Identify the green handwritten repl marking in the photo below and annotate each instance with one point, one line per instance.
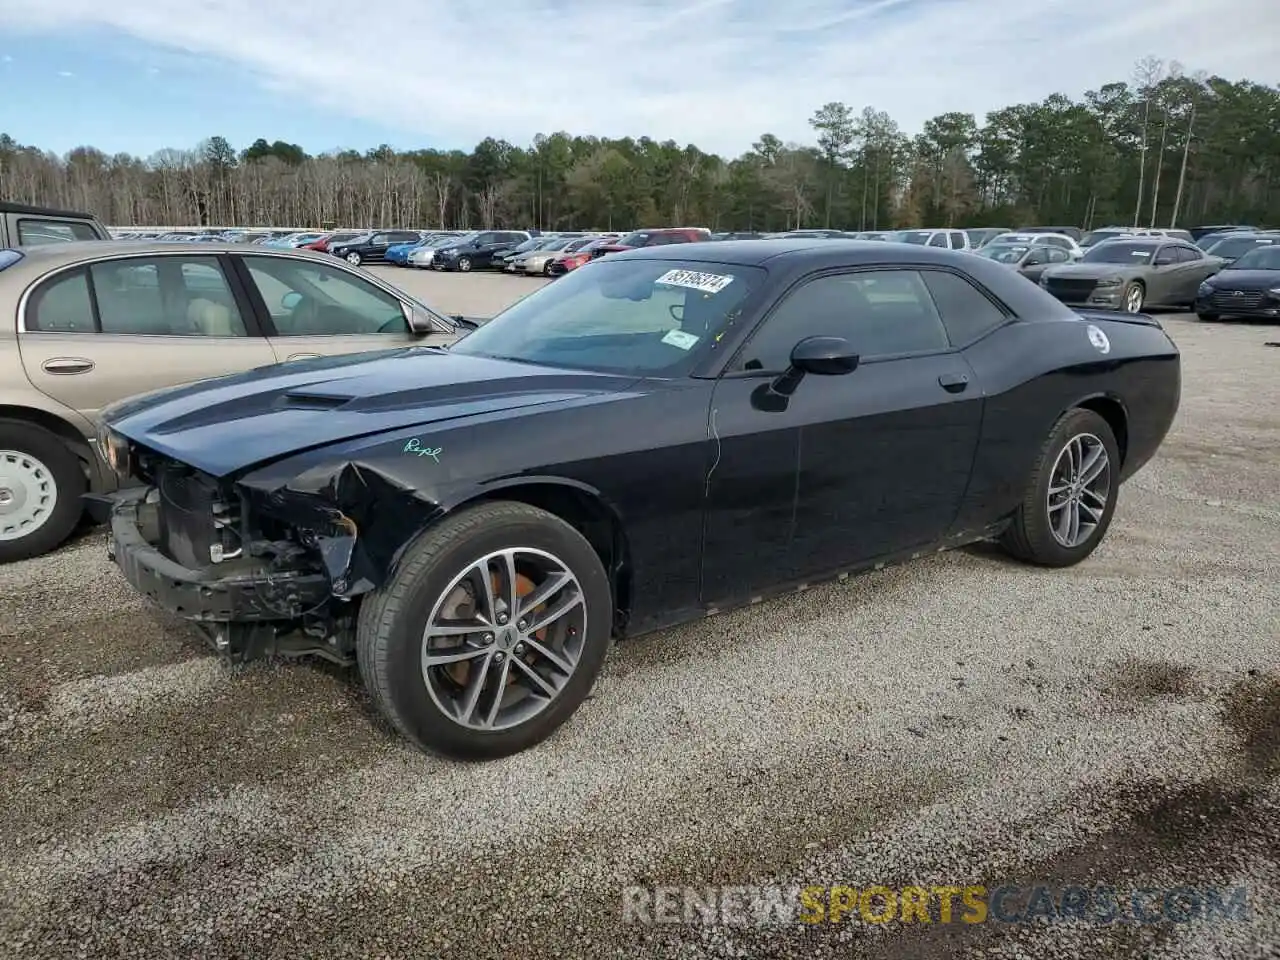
(415, 446)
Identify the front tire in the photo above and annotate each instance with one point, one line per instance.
(1135, 295)
(490, 633)
(1071, 494)
(354, 258)
(41, 483)
(464, 264)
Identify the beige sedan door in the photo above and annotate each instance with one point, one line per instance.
(321, 310)
(93, 335)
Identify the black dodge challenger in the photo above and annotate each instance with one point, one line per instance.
(661, 435)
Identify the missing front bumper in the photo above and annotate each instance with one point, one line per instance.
(240, 592)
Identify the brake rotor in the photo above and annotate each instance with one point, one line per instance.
(460, 607)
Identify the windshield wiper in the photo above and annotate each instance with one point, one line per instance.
(460, 321)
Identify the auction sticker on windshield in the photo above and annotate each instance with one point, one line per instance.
(706, 282)
(678, 338)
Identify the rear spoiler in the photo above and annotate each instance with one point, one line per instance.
(1118, 316)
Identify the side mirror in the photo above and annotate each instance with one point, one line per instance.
(421, 323)
(290, 300)
(1034, 260)
(1163, 261)
(824, 356)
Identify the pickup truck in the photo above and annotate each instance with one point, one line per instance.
(26, 226)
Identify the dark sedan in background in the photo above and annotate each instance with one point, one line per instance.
(1249, 287)
(1132, 274)
(1234, 246)
(478, 249)
(372, 248)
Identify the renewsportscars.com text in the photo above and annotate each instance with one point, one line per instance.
(961, 904)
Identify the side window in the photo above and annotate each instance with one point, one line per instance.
(1057, 255)
(1188, 255)
(62, 306)
(937, 240)
(165, 297)
(33, 233)
(966, 312)
(314, 300)
(957, 240)
(882, 313)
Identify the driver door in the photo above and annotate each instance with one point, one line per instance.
(316, 310)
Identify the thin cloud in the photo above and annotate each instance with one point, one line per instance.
(65, 73)
(6, 59)
(717, 73)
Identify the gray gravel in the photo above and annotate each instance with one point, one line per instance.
(962, 720)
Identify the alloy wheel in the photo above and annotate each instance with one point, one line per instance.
(1079, 488)
(504, 639)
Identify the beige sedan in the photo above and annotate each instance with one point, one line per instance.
(96, 322)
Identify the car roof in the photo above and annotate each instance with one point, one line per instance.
(7, 206)
(43, 258)
(762, 252)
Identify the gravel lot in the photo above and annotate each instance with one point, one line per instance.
(961, 720)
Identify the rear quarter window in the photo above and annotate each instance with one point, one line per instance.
(8, 258)
(32, 232)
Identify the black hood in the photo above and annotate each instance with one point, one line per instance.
(227, 425)
(1228, 279)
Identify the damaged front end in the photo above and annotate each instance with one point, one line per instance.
(260, 572)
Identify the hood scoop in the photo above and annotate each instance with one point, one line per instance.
(301, 400)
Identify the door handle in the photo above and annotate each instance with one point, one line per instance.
(954, 382)
(65, 365)
(304, 356)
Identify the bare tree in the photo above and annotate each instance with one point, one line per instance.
(1147, 73)
(1197, 88)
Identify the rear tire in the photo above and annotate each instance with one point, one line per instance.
(41, 483)
(391, 632)
(1039, 533)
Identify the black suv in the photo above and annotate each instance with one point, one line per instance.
(24, 226)
(478, 249)
(373, 247)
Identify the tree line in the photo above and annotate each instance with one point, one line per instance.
(1162, 148)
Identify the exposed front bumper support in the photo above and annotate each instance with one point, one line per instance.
(234, 592)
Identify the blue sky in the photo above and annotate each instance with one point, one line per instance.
(140, 75)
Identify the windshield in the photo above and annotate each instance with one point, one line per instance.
(1262, 258)
(920, 237)
(637, 239)
(640, 317)
(465, 238)
(1121, 251)
(558, 243)
(599, 242)
(1234, 247)
(577, 243)
(1003, 252)
(533, 243)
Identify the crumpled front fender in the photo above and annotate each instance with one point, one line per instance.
(357, 516)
